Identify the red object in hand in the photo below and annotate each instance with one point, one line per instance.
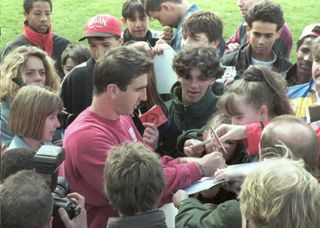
(154, 115)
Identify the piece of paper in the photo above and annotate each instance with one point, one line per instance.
(165, 75)
(154, 115)
(203, 184)
(170, 211)
(206, 183)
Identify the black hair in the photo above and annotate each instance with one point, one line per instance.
(28, 4)
(131, 7)
(266, 11)
(119, 66)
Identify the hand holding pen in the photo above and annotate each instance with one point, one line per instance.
(196, 148)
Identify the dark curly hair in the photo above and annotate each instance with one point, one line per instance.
(204, 58)
(204, 22)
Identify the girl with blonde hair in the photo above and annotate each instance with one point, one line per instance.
(25, 65)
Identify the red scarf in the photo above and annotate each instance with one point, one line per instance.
(38, 39)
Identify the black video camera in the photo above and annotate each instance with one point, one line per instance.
(46, 162)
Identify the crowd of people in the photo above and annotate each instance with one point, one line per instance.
(230, 104)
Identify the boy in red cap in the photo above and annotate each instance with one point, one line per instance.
(102, 32)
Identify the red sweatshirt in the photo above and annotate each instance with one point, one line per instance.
(87, 142)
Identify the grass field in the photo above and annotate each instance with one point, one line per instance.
(69, 16)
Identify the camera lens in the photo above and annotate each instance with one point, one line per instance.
(62, 188)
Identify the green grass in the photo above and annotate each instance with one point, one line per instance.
(69, 16)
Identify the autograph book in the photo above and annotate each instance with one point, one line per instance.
(154, 115)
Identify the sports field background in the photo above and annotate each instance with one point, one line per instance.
(69, 16)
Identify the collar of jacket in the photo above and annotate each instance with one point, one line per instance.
(243, 60)
(246, 49)
(197, 109)
(90, 63)
(153, 218)
(291, 76)
(127, 37)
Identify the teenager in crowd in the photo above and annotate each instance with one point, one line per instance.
(33, 117)
(265, 20)
(74, 55)
(37, 31)
(134, 190)
(257, 97)
(103, 33)
(304, 95)
(300, 72)
(170, 13)
(203, 28)
(23, 66)
(193, 100)
(241, 36)
(136, 21)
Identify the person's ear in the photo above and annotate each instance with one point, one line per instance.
(112, 90)
(278, 33)
(215, 43)
(165, 6)
(124, 21)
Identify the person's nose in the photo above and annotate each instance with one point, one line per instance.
(99, 51)
(138, 23)
(194, 83)
(38, 77)
(44, 17)
(57, 122)
(262, 40)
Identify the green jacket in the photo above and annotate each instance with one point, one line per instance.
(192, 213)
(184, 117)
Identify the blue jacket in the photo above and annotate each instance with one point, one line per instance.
(301, 96)
(177, 37)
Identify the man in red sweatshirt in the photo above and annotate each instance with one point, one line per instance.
(120, 81)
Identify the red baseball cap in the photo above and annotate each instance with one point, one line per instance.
(102, 25)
